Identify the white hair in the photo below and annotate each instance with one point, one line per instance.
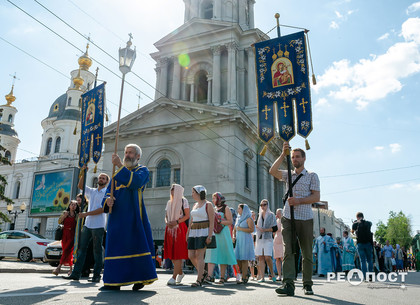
(136, 147)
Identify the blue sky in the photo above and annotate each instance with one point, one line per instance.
(366, 56)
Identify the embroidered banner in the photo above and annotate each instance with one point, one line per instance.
(282, 79)
(92, 124)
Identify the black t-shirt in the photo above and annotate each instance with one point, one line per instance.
(363, 232)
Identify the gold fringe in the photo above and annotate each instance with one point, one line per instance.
(96, 167)
(106, 117)
(75, 130)
(307, 144)
(313, 79)
(263, 151)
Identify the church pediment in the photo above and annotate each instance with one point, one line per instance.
(164, 114)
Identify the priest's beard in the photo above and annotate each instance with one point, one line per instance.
(128, 162)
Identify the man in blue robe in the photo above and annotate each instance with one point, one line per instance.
(348, 252)
(129, 253)
(322, 250)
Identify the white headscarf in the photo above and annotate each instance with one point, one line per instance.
(268, 214)
(174, 206)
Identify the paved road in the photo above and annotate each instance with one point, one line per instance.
(44, 288)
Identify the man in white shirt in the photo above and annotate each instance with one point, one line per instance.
(94, 229)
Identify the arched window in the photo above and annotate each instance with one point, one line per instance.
(69, 101)
(17, 190)
(10, 120)
(49, 144)
(95, 182)
(163, 173)
(57, 145)
(207, 9)
(1, 114)
(202, 86)
(246, 174)
(8, 155)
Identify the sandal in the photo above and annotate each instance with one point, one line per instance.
(56, 271)
(221, 281)
(209, 279)
(196, 284)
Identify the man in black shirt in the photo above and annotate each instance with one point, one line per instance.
(364, 241)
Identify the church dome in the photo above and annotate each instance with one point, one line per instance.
(58, 110)
(8, 130)
(10, 98)
(85, 61)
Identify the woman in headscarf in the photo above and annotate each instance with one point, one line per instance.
(266, 225)
(200, 232)
(223, 255)
(175, 244)
(242, 234)
(278, 245)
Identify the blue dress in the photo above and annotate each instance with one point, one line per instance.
(244, 250)
(223, 254)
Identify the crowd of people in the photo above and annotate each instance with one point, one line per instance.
(219, 241)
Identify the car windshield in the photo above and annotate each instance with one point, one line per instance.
(39, 236)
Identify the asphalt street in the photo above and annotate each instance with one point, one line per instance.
(33, 283)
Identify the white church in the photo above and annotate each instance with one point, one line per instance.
(200, 129)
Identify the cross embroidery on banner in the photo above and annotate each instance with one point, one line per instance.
(266, 110)
(98, 137)
(284, 109)
(303, 105)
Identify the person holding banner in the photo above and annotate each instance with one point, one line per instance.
(305, 192)
(129, 253)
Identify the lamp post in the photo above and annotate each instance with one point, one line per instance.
(15, 213)
(127, 57)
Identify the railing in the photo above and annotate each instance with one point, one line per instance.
(158, 233)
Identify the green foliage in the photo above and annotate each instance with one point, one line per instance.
(3, 183)
(380, 233)
(398, 229)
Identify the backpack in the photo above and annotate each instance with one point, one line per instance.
(363, 233)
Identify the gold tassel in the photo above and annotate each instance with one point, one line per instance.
(96, 167)
(307, 144)
(264, 150)
(313, 79)
(75, 130)
(106, 117)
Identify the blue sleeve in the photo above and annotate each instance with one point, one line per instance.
(134, 179)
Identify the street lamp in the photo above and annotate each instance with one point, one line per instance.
(15, 213)
(127, 57)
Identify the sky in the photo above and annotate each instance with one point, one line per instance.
(366, 58)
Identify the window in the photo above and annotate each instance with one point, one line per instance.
(10, 120)
(49, 144)
(207, 9)
(8, 155)
(163, 173)
(95, 182)
(150, 183)
(57, 145)
(17, 190)
(246, 175)
(1, 114)
(69, 101)
(177, 175)
(202, 86)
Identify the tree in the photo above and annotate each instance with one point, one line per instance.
(3, 183)
(398, 229)
(380, 233)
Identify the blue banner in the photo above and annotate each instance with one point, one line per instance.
(283, 79)
(92, 124)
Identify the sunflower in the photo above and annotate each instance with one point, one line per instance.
(60, 193)
(66, 200)
(56, 202)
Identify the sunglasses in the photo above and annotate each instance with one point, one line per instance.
(264, 204)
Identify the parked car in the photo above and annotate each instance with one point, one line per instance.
(23, 245)
(53, 253)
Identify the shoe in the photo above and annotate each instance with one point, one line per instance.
(179, 278)
(171, 282)
(95, 279)
(287, 289)
(221, 282)
(71, 277)
(196, 284)
(137, 286)
(209, 279)
(308, 290)
(274, 279)
(56, 271)
(110, 288)
(261, 281)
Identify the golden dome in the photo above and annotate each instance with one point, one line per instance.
(78, 81)
(10, 98)
(85, 61)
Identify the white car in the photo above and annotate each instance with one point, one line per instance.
(23, 245)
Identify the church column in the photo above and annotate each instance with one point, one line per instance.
(187, 10)
(251, 13)
(194, 9)
(176, 80)
(216, 83)
(217, 10)
(163, 86)
(209, 86)
(232, 72)
(184, 89)
(242, 17)
(241, 78)
(157, 94)
(252, 87)
(192, 92)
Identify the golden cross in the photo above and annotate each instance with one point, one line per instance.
(266, 110)
(98, 137)
(303, 105)
(285, 108)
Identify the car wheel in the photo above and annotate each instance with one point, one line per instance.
(25, 254)
(53, 264)
(1, 257)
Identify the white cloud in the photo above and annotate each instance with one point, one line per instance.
(384, 36)
(350, 12)
(372, 79)
(379, 148)
(395, 147)
(334, 25)
(322, 102)
(417, 187)
(413, 8)
(396, 186)
(338, 14)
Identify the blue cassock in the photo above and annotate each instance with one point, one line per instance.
(348, 253)
(322, 248)
(129, 253)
